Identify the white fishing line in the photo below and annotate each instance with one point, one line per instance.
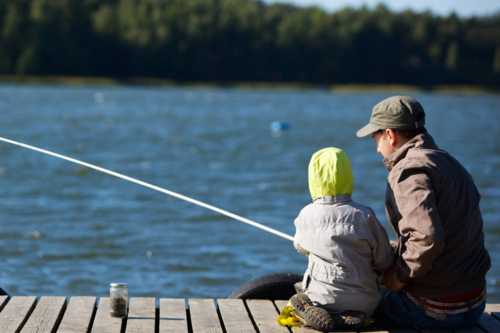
(153, 187)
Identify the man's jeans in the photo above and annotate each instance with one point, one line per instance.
(399, 310)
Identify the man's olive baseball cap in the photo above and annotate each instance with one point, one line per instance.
(396, 112)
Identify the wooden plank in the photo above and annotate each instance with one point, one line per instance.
(103, 322)
(235, 316)
(141, 315)
(22, 313)
(45, 316)
(3, 301)
(492, 308)
(204, 316)
(264, 316)
(15, 313)
(173, 317)
(78, 315)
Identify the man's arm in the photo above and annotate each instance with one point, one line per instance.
(420, 225)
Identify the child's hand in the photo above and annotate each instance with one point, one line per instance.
(300, 249)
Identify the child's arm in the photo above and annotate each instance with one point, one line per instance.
(383, 254)
(299, 234)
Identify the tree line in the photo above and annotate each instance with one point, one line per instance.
(245, 40)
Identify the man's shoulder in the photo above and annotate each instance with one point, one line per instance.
(417, 161)
(421, 158)
(435, 164)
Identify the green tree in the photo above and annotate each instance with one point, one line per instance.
(496, 62)
(245, 40)
(452, 56)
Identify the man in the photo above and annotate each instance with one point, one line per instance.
(438, 277)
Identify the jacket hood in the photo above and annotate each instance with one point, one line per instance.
(330, 173)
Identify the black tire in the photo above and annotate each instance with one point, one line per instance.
(272, 286)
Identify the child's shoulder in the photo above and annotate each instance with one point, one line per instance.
(361, 212)
(361, 207)
(346, 210)
(311, 208)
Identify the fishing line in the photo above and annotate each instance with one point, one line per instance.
(153, 187)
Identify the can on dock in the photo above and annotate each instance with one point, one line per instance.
(118, 298)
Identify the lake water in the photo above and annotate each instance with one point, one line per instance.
(66, 230)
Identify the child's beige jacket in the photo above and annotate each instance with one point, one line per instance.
(346, 247)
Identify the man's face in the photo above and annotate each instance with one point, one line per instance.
(382, 142)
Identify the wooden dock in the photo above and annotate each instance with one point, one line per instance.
(148, 314)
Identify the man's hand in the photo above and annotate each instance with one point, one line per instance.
(391, 280)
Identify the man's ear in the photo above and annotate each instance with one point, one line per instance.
(392, 137)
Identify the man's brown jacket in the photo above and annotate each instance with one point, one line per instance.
(433, 204)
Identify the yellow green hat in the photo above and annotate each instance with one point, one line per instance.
(330, 173)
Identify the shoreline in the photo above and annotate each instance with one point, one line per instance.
(472, 89)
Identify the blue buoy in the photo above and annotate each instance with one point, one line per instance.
(279, 126)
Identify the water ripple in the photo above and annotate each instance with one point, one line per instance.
(68, 230)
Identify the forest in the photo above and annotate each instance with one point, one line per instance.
(226, 41)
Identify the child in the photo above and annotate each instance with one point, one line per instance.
(346, 246)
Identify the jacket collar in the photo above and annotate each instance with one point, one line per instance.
(328, 199)
(423, 140)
